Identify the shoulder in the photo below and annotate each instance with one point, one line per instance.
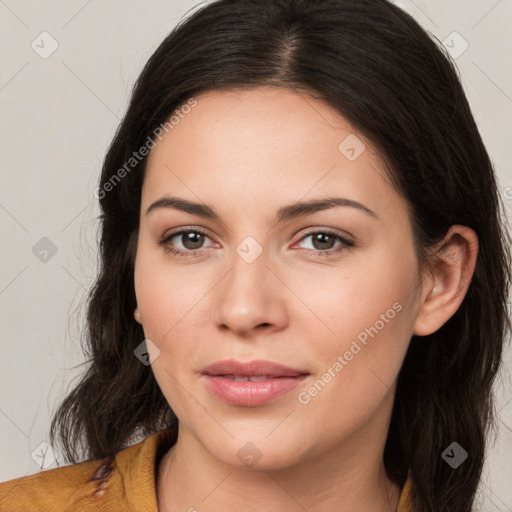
(55, 489)
(125, 482)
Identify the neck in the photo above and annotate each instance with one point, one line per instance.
(350, 478)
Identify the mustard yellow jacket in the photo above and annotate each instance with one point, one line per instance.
(125, 483)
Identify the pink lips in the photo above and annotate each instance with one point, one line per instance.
(270, 380)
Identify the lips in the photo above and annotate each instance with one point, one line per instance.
(252, 378)
(256, 368)
(251, 383)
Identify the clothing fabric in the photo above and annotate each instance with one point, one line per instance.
(124, 483)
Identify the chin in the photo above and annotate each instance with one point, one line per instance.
(256, 455)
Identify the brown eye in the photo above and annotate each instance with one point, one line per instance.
(323, 242)
(191, 241)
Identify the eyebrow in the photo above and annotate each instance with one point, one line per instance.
(291, 211)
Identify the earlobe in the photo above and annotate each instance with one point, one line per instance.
(452, 269)
(137, 316)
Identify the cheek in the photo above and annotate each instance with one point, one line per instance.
(159, 288)
(367, 289)
(166, 298)
(368, 312)
(172, 297)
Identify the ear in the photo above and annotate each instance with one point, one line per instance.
(451, 271)
(137, 316)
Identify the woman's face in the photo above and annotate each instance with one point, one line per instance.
(270, 280)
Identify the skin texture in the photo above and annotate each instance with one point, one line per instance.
(247, 154)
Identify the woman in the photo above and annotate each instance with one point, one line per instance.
(262, 369)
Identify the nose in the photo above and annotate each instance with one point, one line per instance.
(250, 298)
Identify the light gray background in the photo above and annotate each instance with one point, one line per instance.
(58, 116)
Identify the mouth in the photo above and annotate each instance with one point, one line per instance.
(255, 368)
(252, 383)
(252, 378)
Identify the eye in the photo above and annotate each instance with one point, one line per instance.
(322, 241)
(191, 239)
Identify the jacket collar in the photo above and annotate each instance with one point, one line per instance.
(138, 466)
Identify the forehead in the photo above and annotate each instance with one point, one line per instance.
(265, 122)
(254, 147)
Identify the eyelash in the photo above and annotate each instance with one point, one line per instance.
(345, 243)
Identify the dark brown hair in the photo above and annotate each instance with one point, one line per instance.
(378, 68)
